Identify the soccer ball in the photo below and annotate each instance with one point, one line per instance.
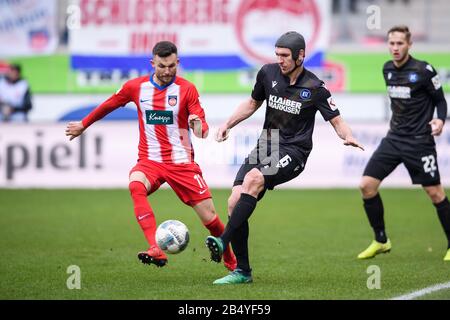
(172, 236)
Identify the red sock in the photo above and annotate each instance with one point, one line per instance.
(143, 211)
(216, 228)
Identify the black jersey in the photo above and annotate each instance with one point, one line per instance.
(414, 90)
(292, 108)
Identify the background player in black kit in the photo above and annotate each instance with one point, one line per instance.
(415, 92)
(293, 95)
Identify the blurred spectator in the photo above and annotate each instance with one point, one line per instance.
(15, 96)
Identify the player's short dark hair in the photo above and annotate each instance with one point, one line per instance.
(16, 67)
(403, 29)
(164, 49)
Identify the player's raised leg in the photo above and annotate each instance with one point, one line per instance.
(207, 213)
(238, 240)
(239, 243)
(188, 183)
(214, 243)
(237, 228)
(373, 207)
(440, 201)
(139, 188)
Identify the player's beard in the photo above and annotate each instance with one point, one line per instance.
(165, 79)
(295, 68)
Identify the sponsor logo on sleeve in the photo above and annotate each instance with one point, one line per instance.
(331, 103)
(436, 82)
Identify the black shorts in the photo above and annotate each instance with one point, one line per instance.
(277, 169)
(419, 158)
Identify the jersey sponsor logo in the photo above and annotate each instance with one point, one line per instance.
(144, 100)
(172, 100)
(331, 103)
(158, 117)
(413, 77)
(436, 82)
(284, 104)
(305, 94)
(399, 92)
(274, 83)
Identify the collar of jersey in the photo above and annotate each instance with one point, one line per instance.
(299, 78)
(406, 63)
(157, 85)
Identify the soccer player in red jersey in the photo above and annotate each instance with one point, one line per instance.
(168, 106)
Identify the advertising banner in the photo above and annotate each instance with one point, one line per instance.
(212, 34)
(27, 27)
(114, 39)
(42, 157)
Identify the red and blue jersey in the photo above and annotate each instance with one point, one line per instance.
(163, 113)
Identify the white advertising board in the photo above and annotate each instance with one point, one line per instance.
(41, 156)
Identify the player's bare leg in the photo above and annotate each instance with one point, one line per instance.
(369, 187)
(440, 201)
(139, 187)
(234, 198)
(375, 213)
(207, 214)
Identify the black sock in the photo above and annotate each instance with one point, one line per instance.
(239, 242)
(241, 212)
(375, 213)
(443, 211)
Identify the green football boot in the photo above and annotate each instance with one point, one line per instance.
(235, 277)
(216, 248)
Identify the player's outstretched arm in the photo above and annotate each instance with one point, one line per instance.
(243, 111)
(119, 99)
(74, 129)
(344, 132)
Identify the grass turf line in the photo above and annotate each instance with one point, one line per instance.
(303, 245)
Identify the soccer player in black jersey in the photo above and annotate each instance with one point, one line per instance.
(415, 92)
(293, 95)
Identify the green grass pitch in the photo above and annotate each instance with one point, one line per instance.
(303, 245)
